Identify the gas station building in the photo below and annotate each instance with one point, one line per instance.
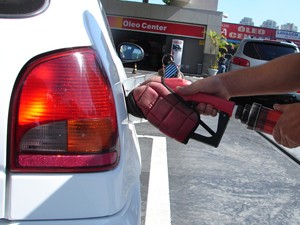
(154, 27)
(179, 29)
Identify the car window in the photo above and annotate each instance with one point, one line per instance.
(267, 51)
(21, 8)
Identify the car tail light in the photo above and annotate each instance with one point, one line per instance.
(240, 61)
(63, 116)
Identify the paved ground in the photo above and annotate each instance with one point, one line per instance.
(246, 180)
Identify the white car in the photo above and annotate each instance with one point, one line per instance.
(253, 52)
(68, 154)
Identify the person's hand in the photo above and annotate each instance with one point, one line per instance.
(287, 129)
(211, 85)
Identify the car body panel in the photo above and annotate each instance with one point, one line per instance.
(2, 192)
(254, 62)
(127, 216)
(81, 196)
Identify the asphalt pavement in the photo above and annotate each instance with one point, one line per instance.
(246, 180)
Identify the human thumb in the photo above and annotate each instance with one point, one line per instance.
(280, 107)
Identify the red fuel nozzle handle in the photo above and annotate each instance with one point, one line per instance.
(218, 103)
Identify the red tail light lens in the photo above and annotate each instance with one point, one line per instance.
(240, 61)
(63, 116)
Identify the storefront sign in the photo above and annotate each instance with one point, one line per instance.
(155, 26)
(239, 32)
(287, 35)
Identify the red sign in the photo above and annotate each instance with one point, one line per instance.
(238, 31)
(155, 26)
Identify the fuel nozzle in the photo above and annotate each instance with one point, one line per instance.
(257, 117)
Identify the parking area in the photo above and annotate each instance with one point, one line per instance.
(246, 180)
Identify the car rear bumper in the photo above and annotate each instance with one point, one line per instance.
(129, 215)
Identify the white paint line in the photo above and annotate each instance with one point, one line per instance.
(158, 201)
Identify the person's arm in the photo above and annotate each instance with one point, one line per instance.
(280, 75)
